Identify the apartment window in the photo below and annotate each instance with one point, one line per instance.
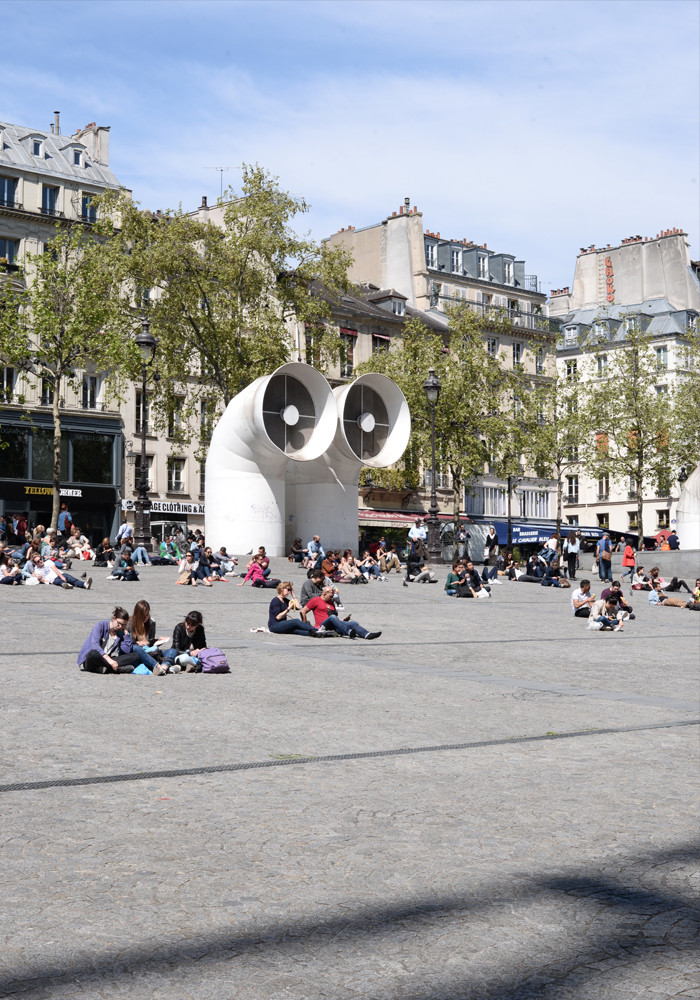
(176, 475)
(7, 384)
(630, 324)
(572, 519)
(632, 520)
(89, 393)
(77, 155)
(398, 307)
(347, 355)
(483, 267)
(486, 300)
(492, 346)
(89, 212)
(8, 186)
(572, 489)
(662, 357)
(633, 488)
(8, 250)
(508, 272)
(456, 261)
(603, 520)
(540, 361)
(571, 369)
(205, 421)
(49, 199)
(175, 416)
(430, 254)
(140, 415)
(380, 343)
(517, 353)
(570, 336)
(602, 363)
(572, 453)
(604, 487)
(517, 406)
(312, 350)
(541, 416)
(202, 478)
(36, 147)
(149, 472)
(661, 390)
(663, 519)
(47, 386)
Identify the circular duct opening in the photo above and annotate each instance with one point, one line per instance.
(289, 414)
(365, 421)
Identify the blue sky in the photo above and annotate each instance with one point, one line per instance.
(536, 127)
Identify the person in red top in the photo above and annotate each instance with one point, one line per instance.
(628, 561)
(324, 614)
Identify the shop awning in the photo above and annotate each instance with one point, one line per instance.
(385, 518)
(537, 533)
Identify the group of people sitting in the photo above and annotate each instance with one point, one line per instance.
(318, 600)
(123, 644)
(345, 567)
(39, 560)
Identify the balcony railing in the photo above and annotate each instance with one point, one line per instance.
(603, 496)
(525, 320)
(10, 203)
(571, 498)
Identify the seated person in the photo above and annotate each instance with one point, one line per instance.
(349, 571)
(323, 610)
(297, 552)
(472, 584)
(256, 574)
(105, 554)
(615, 590)
(109, 647)
(607, 614)
(47, 572)
(313, 587)
(369, 566)
(330, 565)
(582, 600)
(640, 581)
(657, 596)
(137, 553)
(226, 563)
(552, 576)
(168, 552)
(454, 578)
(389, 560)
(126, 572)
(9, 573)
(188, 642)
(281, 607)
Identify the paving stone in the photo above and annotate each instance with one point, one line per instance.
(554, 869)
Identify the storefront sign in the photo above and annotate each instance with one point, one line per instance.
(47, 491)
(167, 507)
(609, 281)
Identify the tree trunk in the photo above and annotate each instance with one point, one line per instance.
(457, 483)
(640, 508)
(56, 454)
(560, 491)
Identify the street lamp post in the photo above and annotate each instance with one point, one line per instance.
(146, 343)
(431, 388)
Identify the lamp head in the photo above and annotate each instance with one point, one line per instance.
(146, 342)
(432, 387)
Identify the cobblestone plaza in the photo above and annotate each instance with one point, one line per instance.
(488, 803)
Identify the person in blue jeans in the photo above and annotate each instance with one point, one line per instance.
(603, 551)
(280, 606)
(324, 613)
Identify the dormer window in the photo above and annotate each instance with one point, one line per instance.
(77, 157)
(483, 267)
(36, 147)
(456, 261)
(398, 307)
(508, 272)
(430, 254)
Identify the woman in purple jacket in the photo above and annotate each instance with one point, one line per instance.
(109, 647)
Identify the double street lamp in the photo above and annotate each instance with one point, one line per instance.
(146, 343)
(431, 388)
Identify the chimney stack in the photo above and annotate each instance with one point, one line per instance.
(56, 116)
(204, 201)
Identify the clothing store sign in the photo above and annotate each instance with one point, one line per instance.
(167, 507)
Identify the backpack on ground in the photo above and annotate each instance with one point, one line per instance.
(213, 661)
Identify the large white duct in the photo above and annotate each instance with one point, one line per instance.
(288, 415)
(688, 512)
(373, 428)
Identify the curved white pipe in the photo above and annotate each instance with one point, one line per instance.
(288, 415)
(374, 426)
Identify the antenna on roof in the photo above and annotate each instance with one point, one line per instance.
(221, 171)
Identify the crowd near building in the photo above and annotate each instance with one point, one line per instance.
(401, 271)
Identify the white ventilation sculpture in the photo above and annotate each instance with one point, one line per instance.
(373, 428)
(290, 415)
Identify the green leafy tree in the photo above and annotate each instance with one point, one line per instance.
(223, 299)
(472, 410)
(62, 317)
(686, 400)
(631, 438)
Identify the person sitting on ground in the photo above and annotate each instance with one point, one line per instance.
(281, 607)
(615, 591)
(167, 552)
(552, 576)
(330, 566)
(605, 615)
(657, 596)
(389, 560)
(312, 587)
(47, 572)
(78, 545)
(256, 574)
(137, 552)
(188, 642)
(582, 600)
(369, 566)
(215, 574)
(143, 634)
(514, 572)
(349, 571)
(472, 584)
(323, 610)
(186, 569)
(417, 555)
(127, 572)
(640, 581)
(315, 552)
(454, 578)
(297, 552)
(109, 649)
(10, 574)
(105, 554)
(226, 563)
(694, 603)
(535, 566)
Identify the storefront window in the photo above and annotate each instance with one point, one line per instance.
(14, 452)
(42, 455)
(92, 458)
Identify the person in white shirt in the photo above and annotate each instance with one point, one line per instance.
(582, 600)
(47, 572)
